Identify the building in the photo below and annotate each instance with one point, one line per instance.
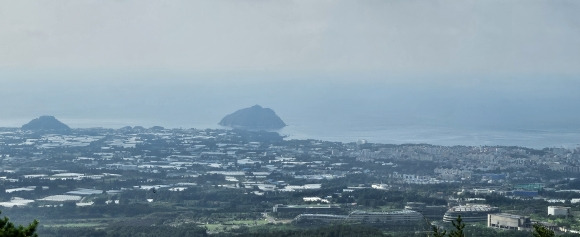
(508, 221)
(401, 217)
(393, 219)
(314, 219)
(470, 213)
(431, 213)
(290, 211)
(558, 211)
(308, 209)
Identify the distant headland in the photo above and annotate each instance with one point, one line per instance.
(253, 118)
(46, 123)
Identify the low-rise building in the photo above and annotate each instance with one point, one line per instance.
(314, 219)
(403, 219)
(470, 213)
(508, 221)
(294, 210)
(431, 213)
(558, 211)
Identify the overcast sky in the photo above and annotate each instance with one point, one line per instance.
(492, 61)
(409, 37)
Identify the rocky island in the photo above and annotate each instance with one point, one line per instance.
(46, 123)
(253, 118)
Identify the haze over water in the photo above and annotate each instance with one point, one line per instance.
(412, 110)
(441, 72)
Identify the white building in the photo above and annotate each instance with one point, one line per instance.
(470, 213)
(508, 221)
(558, 211)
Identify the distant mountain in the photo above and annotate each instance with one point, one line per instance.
(45, 123)
(253, 118)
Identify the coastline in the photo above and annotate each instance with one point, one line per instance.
(433, 135)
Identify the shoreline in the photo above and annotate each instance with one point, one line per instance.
(531, 139)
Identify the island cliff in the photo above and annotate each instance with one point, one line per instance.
(253, 118)
(45, 123)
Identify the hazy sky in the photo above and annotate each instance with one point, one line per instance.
(430, 36)
(494, 63)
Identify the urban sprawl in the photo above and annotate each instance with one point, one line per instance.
(234, 181)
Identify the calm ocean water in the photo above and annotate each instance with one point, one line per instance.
(441, 136)
(299, 128)
(493, 111)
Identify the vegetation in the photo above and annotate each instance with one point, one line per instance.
(166, 183)
(459, 226)
(128, 231)
(437, 232)
(326, 231)
(8, 229)
(541, 231)
(457, 232)
(479, 230)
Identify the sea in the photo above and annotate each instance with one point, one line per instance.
(372, 133)
(534, 112)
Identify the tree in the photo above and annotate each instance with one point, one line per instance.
(542, 231)
(458, 232)
(7, 229)
(459, 226)
(438, 232)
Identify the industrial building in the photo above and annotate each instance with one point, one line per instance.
(431, 213)
(311, 209)
(290, 211)
(403, 218)
(508, 221)
(313, 219)
(558, 211)
(470, 213)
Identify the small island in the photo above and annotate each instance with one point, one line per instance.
(46, 123)
(253, 118)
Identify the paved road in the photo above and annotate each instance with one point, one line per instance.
(273, 220)
(269, 218)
